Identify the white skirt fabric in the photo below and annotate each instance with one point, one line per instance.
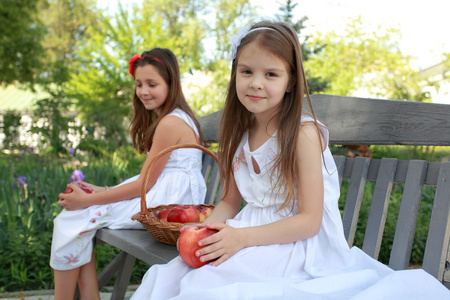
(181, 181)
(249, 274)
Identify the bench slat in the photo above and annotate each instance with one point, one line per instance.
(340, 165)
(379, 206)
(407, 216)
(436, 249)
(139, 243)
(354, 197)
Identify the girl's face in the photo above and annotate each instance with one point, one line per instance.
(262, 79)
(151, 88)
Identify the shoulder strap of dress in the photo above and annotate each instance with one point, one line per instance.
(323, 128)
(185, 117)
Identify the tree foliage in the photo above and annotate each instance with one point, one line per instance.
(368, 61)
(316, 84)
(206, 88)
(20, 41)
(66, 22)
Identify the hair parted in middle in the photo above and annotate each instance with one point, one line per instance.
(144, 122)
(280, 39)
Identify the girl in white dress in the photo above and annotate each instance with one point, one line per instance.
(162, 118)
(288, 241)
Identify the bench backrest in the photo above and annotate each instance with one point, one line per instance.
(356, 121)
(210, 171)
(413, 176)
(363, 121)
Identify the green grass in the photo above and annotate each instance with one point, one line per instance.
(27, 212)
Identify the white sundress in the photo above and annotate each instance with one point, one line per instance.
(321, 267)
(181, 181)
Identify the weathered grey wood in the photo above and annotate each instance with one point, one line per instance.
(378, 210)
(353, 120)
(123, 278)
(112, 269)
(210, 126)
(213, 181)
(407, 216)
(436, 249)
(139, 243)
(340, 166)
(354, 197)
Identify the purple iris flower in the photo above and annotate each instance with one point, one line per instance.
(22, 180)
(77, 175)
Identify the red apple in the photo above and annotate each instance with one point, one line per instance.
(204, 213)
(162, 215)
(183, 214)
(198, 207)
(187, 243)
(84, 187)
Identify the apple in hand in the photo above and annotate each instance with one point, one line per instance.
(84, 187)
(162, 215)
(183, 214)
(187, 243)
(204, 213)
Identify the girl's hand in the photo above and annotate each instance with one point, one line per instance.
(75, 200)
(221, 245)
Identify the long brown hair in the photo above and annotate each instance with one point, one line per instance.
(236, 119)
(144, 122)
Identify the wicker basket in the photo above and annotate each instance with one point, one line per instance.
(163, 231)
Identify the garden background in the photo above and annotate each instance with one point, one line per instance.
(70, 60)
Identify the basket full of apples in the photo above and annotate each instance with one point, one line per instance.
(164, 222)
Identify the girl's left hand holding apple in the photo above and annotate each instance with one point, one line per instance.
(222, 245)
(77, 199)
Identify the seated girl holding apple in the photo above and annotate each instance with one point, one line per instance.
(162, 118)
(288, 241)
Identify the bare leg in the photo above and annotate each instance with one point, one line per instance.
(87, 281)
(65, 283)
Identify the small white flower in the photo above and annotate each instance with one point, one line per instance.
(236, 41)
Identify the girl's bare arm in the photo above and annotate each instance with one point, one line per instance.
(301, 226)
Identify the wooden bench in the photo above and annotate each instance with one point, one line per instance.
(351, 121)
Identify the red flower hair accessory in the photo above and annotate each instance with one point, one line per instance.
(135, 58)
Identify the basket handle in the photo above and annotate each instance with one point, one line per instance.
(153, 161)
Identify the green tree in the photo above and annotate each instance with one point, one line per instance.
(369, 60)
(66, 22)
(316, 84)
(20, 41)
(207, 87)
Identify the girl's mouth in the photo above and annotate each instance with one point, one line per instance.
(255, 98)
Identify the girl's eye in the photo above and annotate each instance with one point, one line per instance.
(138, 85)
(246, 72)
(272, 74)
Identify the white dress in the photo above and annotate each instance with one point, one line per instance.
(321, 267)
(181, 181)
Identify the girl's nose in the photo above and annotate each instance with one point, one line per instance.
(145, 90)
(256, 83)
